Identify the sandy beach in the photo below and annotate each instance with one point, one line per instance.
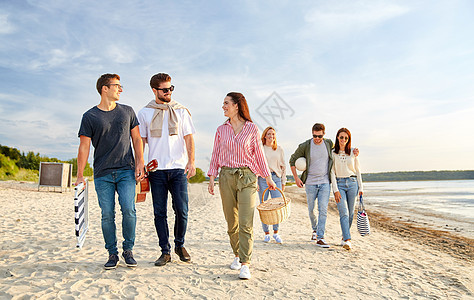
(39, 258)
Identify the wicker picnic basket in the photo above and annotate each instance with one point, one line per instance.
(274, 210)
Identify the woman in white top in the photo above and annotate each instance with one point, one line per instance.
(346, 181)
(276, 163)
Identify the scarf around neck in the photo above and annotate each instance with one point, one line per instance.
(156, 125)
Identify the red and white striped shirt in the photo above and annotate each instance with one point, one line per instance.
(242, 150)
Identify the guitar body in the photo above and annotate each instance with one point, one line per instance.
(143, 187)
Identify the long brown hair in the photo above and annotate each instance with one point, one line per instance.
(348, 144)
(242, 106)
(264, 139)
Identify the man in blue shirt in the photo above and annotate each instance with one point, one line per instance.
(110, 126)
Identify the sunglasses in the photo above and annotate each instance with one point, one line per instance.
(318, 136)
(115, 84)
(166, 90)
(343, 137)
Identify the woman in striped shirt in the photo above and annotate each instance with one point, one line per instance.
(238, 152)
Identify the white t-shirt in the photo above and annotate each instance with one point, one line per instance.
(169, 151)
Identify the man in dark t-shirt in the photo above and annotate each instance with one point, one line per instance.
(110, 126)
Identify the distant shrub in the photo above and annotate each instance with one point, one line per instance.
(88, 171)
(12, 153)
(8, 168)
(198, 178)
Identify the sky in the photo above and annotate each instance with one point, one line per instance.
(398, 74)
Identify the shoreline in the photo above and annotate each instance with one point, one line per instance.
(452, 243)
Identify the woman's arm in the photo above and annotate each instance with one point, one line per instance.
(359, 175)
(210, 186)
(214, 164)
(335, 189)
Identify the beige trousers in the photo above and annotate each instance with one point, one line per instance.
(238, 189)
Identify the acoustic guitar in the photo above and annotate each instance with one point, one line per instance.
(143, 187)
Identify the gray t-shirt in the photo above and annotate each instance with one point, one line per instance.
(318, 168)
(110, 135)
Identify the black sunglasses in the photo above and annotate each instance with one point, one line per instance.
(318, 136)
(166, 90)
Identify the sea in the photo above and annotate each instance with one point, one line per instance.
(444, 205)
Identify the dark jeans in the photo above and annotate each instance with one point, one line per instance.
(175, 182)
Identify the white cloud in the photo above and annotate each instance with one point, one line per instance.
(121, 54)
(345, 17)
(6, 27)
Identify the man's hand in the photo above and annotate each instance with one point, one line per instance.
(190, 169)
(356, 152)
(298, 182)
(337, 196)
(139, 171)
(79, 180)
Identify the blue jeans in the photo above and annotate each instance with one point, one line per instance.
(320, 191)
(175, 182)
(122, 182)
(262, 185)
(348, 188)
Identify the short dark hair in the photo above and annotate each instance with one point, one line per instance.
(104, 79)
(319, 127)
(159, 78)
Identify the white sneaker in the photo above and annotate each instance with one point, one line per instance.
(314, 236)
(343, 243)
(266, 239)
(244, 272)
(347, 245)
(322, 243)
(236, 265)
(277, 238)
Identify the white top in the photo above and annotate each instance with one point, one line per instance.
(345, 166)
(276, 161)
(169, 151)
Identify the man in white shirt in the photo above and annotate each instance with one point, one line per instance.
(168, 129)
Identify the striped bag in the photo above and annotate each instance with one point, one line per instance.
(363, 225)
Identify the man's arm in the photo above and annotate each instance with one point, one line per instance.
(82, 156)
(138, 148)
(298, 181)
(190, 168)
(299, 152)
